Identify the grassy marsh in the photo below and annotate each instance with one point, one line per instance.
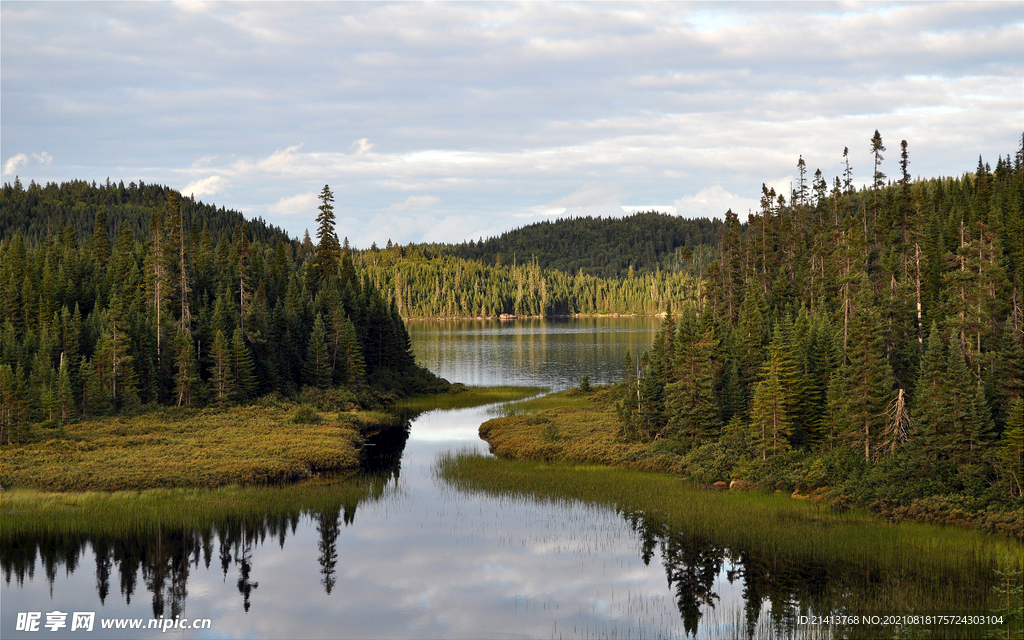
(467, 397)
(571, 426)
(35, 512)
(850, 563)
(255, 444)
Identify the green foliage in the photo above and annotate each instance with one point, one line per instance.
(189, 305)
(845, 284)
(911, 566)
(305, 414)
(604, 247)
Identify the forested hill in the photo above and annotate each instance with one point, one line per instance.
(91, 327)
(37, 211)
(868, 343)
(604, 247)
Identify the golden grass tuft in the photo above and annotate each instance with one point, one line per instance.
(187, 448)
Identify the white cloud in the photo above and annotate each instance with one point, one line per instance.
(415, 202)
(15, 161)
(593, 199)
(629, 208)
(713, 202)
(495, 109)
(43, 158)
(303, 203)
(280, 161)
(205, 186)
(360, 147)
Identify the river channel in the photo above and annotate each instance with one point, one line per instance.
(420, 558)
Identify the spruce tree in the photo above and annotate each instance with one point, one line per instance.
(318, 360)
(868, 378)
(354, 367)
(929, 414)
(327, 254)
(690, 399)
(1011, 449)
(65, 392)
(772, 408)
(221, 376)
(186, 376)
(245, 382)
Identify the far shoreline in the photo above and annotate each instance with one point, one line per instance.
(510, 317)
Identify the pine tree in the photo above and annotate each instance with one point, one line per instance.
(353, 365)
(244, 382)
(221, 376)
(100, 241)
(930, 416)
(13, 404)
(868, 378)
(95, 399)
(878, 179)
(769, 412)
(1011, 449)
(318, 360)
(690, 399)
(112, 360)
(186, 377)
(65, 392)
(969, 428)
(327, 256)
(628, 405)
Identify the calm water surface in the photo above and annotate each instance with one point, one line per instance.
(420, 559)
(423, 561)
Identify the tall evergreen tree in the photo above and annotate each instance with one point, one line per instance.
(318, 359)
(327, 256)
(867, 376)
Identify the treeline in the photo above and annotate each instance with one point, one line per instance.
(38, 211)
(603, 247)
(425, 284)
(870, 341)
(91, 326)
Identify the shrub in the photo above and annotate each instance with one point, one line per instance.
(306, 414)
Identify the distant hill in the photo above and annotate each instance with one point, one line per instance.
(37, 211)
(605, 247)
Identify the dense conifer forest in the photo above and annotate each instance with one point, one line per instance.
(861, 338)
(425, 283)
(171, 302)
(870, 340)
(605, 247)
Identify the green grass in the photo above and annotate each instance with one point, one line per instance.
(574, 427)
(467, 397)
(258, 444)
(34, 512)
(542, 403)
(270, 442)
(870, 566)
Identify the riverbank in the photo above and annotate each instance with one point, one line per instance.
(572, 426)
(511, 316)
(31, 511)
(783, 550)
(269, 442)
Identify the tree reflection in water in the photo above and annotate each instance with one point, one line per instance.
(165, 556)
(693, 565)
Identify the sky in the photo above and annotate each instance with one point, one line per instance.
(445, 122)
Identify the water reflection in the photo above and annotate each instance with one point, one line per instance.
(412, 556)
(550, 352)
(715, 591)
(165, 557)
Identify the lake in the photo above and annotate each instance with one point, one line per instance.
(417, 557)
